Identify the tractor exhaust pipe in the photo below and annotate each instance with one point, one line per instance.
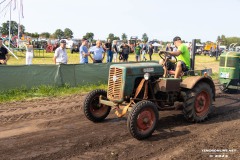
(192, 54)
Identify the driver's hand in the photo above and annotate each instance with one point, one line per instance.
(162, 52)
(168, 57)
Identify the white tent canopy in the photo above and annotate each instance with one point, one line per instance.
(156, 44)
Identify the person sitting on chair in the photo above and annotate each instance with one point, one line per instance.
(183, 59)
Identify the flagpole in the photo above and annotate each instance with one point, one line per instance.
(9, 42)
(19, 24)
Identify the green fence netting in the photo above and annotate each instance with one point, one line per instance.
(12, 77)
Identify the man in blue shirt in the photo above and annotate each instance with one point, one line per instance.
(98, 53)
(83, 50)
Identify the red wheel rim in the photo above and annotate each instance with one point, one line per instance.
(146, 119)
(202, 103)
(97, 109)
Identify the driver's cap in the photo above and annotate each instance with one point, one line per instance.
(176, 38)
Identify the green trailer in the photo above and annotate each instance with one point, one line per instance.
(229, 71)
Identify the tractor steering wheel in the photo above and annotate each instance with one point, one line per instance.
(166, 56)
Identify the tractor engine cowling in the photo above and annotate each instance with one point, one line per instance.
(122, 78)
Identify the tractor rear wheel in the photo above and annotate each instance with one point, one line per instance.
(93, 110)
(142, 120)
(198, 103)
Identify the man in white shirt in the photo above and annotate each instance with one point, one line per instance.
(60, 55)
(98, 53)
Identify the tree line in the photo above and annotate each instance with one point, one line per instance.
(68, 33)
(228, 40)
(58, 34)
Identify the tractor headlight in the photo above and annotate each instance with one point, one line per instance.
(146, 76)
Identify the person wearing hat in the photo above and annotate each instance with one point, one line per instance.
(83, 51)
(60, 55)
(183, 58)
(4, 56)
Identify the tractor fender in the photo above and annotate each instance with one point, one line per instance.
(190, 82)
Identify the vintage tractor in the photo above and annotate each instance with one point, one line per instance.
(229, 71)
(141, 89)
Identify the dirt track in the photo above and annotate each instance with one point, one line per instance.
(55, 128)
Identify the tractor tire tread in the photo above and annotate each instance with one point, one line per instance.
(86, 105)
(189, 109)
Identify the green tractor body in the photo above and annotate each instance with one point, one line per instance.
(124, 77)
(229, 70)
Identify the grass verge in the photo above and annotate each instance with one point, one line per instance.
(46, 91)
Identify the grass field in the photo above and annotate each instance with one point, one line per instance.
(201, 61)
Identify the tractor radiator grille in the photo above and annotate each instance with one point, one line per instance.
(232, 62)
(115, 84)
(222, 61)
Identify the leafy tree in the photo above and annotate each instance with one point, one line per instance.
(124, 37)
(45, 34)
(112, 37)
(68, 33)
(116, 38)
(59, 34)
(14, 28)
(35, 35)
(145, 37)
(198, 41)
(228, 40)
(89, 36)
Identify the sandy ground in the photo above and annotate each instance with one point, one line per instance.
(56, 128)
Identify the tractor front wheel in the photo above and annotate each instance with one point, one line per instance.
(142, 120)
(198, 103)
(93, 110)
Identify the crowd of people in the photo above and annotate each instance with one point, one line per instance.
(114, 53)
(97, 54)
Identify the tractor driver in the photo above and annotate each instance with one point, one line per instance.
(183, 58)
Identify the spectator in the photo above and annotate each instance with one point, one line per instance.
(169, 48)
(150, 51)
(137, 51)
(115, 51)
(29, 52)
(217, 50)
(144, 51)
(98, 53)
(125, 51)
(212, 51)
(60, 55)
(175, 49)
(4, 56)
(108, 48)
(83, 51)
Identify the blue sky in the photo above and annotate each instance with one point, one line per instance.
(160, 19)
